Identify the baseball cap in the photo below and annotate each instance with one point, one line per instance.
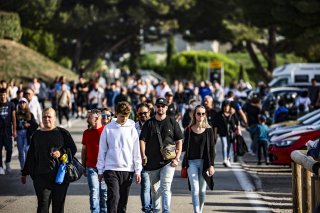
(168, 94)
(23, 100)
(262, 118)
(161, 101)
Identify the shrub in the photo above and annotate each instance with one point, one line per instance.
(10, 27)
(193, 65)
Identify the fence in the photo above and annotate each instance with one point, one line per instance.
(305, 182)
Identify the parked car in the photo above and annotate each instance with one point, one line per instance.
(300, 120)
(309, 123)
(289, 94)
(279, 151)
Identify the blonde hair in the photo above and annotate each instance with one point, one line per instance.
(205, 123)
(49, 109)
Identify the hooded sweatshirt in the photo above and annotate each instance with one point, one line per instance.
(119, 148)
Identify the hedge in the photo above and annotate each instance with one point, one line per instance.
(10, 27)
(193, 65)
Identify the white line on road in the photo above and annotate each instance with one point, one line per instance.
(254, 198)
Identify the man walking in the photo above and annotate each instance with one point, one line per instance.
(89, 155)
(119, 158)
(160, 171)
(143, 114)
(8, 128)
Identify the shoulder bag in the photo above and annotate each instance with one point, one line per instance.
(168, 151)
(74, 169)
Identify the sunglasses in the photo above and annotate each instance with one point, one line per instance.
(143, 113)
(106, 115)
(161, 106)
(201, 114)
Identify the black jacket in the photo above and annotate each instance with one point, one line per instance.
(39, 160)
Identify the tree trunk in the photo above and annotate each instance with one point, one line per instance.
(257, 64)
(170, 49)
(77, 56)
(134, 54)
(272, 62)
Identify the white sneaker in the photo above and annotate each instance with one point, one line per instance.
(69, 124)
(8, 168)
(1, 171)
(228, 163)
(225, 163)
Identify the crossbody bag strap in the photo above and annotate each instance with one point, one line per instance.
(158, 133)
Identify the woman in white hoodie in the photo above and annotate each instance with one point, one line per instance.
(119, 158)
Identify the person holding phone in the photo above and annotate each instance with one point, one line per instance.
(198, 137)
(47, 145)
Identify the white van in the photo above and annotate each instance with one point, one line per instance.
(295, 75)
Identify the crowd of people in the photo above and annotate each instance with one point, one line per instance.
(136, 131)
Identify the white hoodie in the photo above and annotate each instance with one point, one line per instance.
(119, 148)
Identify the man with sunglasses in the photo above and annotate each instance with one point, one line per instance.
(143, 114)
(160, 171)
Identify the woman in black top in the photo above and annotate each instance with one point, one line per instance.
(226, 124)
(198, 137)
(26, 125)
(42, 163)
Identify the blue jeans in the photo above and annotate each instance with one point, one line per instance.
(161, 180)
(226, 146)
(145, 193)
(22, 144)
(98, 191)
(197, 183)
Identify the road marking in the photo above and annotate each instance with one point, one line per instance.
(254, 198)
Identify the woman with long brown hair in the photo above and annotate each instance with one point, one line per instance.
(199, 147)
(26, 125)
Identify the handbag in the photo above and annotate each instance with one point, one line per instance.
(168, 152)
(241, 145)
(74, 169)
(184, 169)
(184, 172)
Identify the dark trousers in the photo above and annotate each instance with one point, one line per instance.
(47, 191)
(262, 145)
(118, 185)
(63, 111)
(6, 142)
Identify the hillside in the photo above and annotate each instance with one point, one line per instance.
(22, 63)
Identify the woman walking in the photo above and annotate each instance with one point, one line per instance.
(226, 124)
(199, 147)
(26, 125)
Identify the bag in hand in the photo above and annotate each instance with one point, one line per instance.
(241, 145)
(168, 152)
(74, 169)
(184, 172)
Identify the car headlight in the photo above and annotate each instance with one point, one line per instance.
(287, 141)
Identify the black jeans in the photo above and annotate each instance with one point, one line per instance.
(63, 111)
(6, 142)
(264, 146)
(47, 190)
(118, 185)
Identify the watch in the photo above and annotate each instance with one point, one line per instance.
(177, 159)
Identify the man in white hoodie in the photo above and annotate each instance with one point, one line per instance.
(119, 158)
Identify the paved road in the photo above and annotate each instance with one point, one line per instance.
(234, 191)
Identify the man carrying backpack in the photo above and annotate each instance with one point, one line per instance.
(161, 145)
